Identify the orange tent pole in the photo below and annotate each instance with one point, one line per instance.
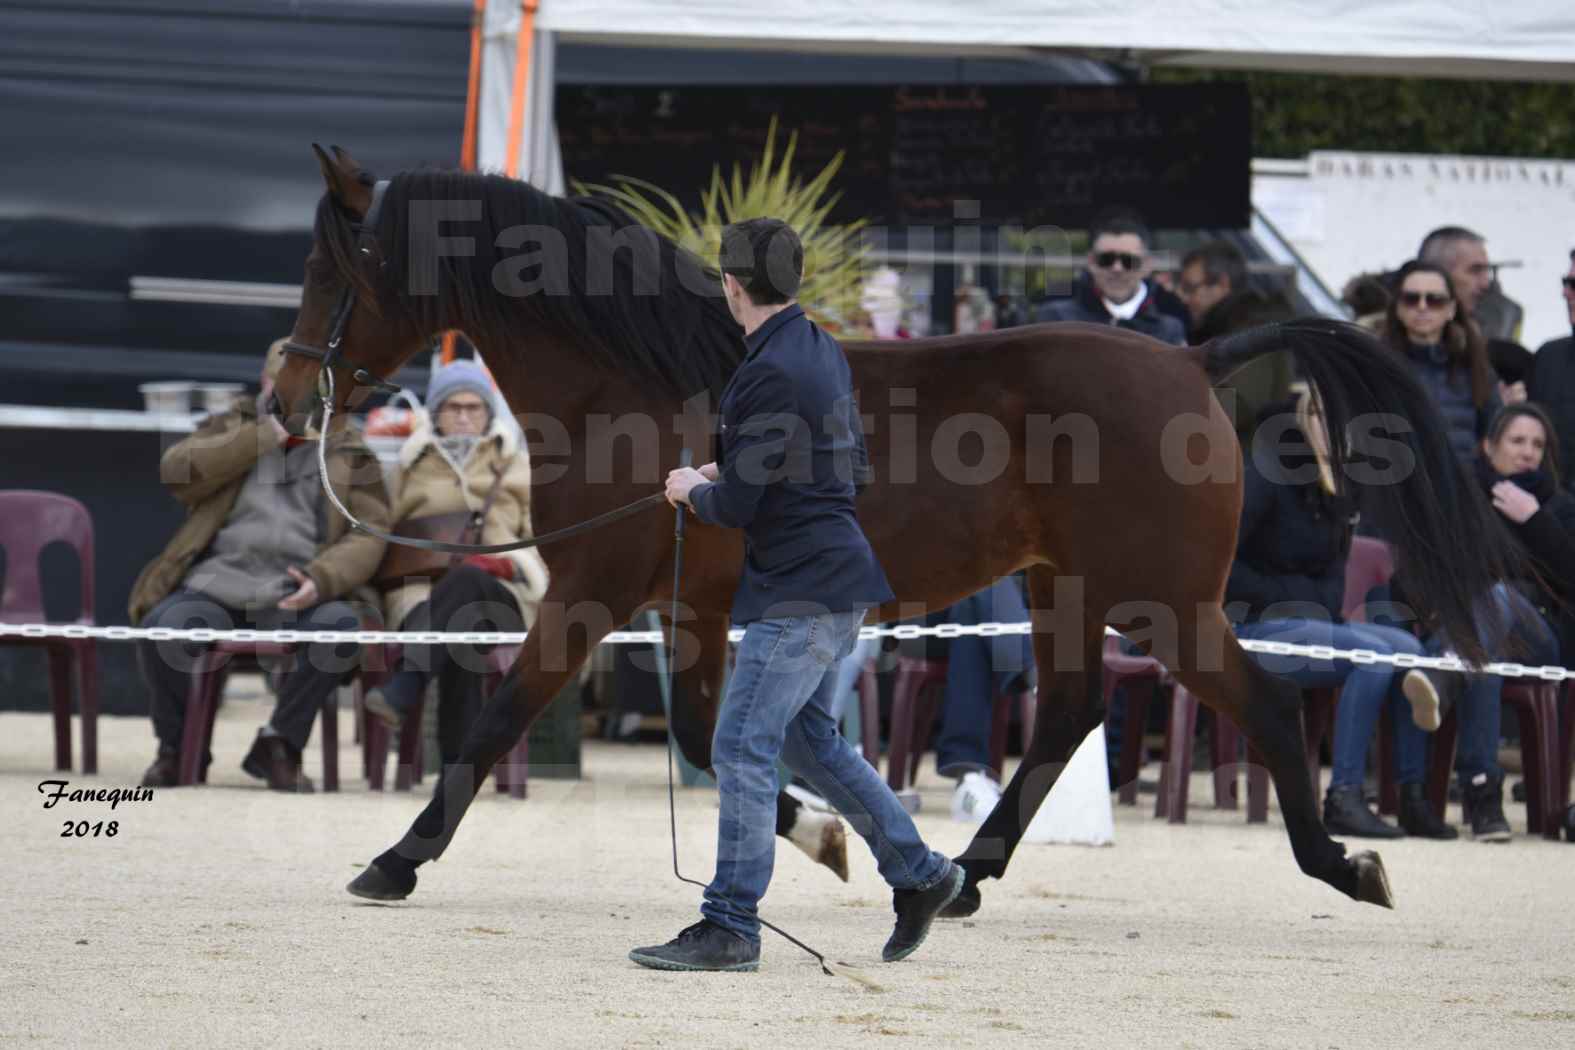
(467, 149)
(521, 76)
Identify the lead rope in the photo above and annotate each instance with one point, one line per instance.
(666, 678)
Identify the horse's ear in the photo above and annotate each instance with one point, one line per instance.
(347, 183)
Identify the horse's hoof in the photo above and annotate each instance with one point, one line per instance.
(834, 849)
(1372, 885)
(820, 836)
(964, 904)
(375, 884)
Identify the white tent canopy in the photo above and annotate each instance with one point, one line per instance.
(1518, 39)
(1483, 39)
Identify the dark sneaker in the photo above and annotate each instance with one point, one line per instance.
(164, 772)
(1485, 801)
(1345, 812)
(703, 946)
(916, 909)
(271, 758)
(1417, 816)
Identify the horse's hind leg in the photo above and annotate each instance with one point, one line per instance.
(1268, 710)
(524, 693)
(1071, 704)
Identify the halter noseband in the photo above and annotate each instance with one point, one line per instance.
(366, 241)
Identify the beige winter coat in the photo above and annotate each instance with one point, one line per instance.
(428, 484)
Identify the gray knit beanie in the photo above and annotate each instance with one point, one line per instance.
(460, 374)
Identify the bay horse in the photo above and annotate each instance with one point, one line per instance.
(1094, 458)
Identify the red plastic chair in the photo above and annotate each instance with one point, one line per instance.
(29, 522)
(511, 775)
(213, 669)
(916, 699)
(869, 714)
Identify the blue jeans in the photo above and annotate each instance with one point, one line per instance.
(1365, 689)
(976, 670)
(778, 704)
(1480, 708)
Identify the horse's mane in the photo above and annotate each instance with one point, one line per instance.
(628, 299)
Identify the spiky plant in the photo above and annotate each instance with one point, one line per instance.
(833, 255)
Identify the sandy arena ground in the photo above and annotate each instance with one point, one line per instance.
(217, 917)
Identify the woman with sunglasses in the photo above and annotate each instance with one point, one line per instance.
(1446, 351)
(463, 478)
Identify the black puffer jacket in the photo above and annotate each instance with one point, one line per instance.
(1291, 547)
(1451, 390)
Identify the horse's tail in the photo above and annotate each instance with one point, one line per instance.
(1452, 548)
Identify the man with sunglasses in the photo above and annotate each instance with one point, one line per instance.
(1551, 381)
(1113, 289)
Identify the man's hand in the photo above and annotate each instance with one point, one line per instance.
(681, 481)
(303, 598)
(1514, 502)
(710, 472)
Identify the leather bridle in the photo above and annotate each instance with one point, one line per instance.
(330, 358)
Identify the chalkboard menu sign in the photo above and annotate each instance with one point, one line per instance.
(1030, 155)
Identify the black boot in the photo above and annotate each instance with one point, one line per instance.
(916, 909)
(703, 946)
(1417, 816)
(1484, 800)
(1345, 812)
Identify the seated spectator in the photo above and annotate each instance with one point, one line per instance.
(1220, 301)
(261, 547)
(1288, 581)
(1368, 297)
(1552, 380)
(463, 479)
(1525, 620)
(978, 670)
(1113, 290)
(1424, 324)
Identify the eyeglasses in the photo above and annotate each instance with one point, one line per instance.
(1108, 260)
(1433, 299)
(451, 408)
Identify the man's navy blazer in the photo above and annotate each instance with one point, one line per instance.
(789, 448)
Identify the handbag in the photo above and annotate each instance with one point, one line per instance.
(401, 563)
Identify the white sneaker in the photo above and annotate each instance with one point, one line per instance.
(975, 797)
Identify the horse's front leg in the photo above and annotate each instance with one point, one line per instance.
(697, 698)
(553, 651)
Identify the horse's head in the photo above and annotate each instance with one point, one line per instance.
(346, 325)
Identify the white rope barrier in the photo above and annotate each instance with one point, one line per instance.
(945, 630)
